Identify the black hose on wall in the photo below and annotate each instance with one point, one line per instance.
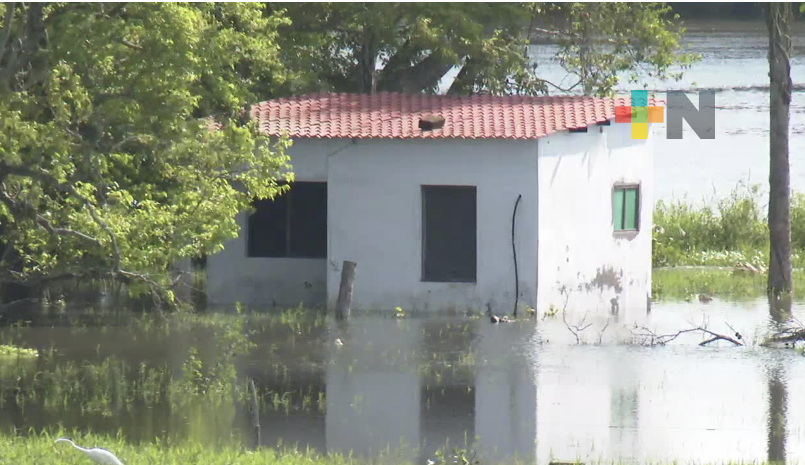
(514, 253)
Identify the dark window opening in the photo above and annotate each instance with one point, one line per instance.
(292, 225)
(626, 208)
(449, 233)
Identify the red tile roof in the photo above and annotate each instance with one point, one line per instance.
(397, 116)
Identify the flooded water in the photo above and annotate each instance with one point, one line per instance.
(409, 386)
(734, 64)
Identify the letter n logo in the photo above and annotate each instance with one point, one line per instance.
(702, 121)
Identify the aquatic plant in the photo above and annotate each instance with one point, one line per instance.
(12, 351)
(727, 232)
(726, 283)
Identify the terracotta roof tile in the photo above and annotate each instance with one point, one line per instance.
(394, 115)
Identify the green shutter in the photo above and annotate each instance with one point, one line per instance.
(617, 209)
(630, 216)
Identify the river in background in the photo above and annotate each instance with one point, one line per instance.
(735, 64)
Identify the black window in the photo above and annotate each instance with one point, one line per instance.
(448, 233)
(292, 225)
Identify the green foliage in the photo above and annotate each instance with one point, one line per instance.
(361, 47)
(358, 47)
(688, 283)
(732, 232)
(12, 351)
(217, 380)
(107, 161)
(39, 448)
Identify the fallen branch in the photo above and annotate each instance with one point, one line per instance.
(790, 334)
(651, 338)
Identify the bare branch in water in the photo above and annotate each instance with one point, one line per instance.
(648, 337)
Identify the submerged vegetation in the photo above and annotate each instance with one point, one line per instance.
(199, 370)
(688, 283)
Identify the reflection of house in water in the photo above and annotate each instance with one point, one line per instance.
(373, 389)
(408, 386)
(378, 397)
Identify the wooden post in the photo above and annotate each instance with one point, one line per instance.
(255, 415)
(344, 302)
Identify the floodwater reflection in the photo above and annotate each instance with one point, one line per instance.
(408, 386)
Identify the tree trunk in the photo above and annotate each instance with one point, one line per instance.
(366, 65)
(778, 21)
(414, 79)
(343, 304)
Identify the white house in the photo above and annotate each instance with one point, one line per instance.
(420, 191)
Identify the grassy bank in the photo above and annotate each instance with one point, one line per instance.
(697, 247)
(729, 232)
(40, 448)
(686, 283)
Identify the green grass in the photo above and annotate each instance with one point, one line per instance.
(36, 449)
(688, 283)
(730, 232)
(39, 448)
(11, 351)
(727, 232)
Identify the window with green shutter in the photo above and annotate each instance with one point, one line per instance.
(625, 208)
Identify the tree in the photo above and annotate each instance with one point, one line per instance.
(371, 47)
(778, 22)
(110, 167)
(600, 43)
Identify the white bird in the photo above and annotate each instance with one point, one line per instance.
(98, 455)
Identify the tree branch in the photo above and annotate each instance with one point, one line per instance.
(44, 222)
(130, 45)
(568, 89)
(43, 176)
(793, 333)
(8, 22)
(94, 214)
(114, 11)
(662, 339)
(565, 34)
(420, 76)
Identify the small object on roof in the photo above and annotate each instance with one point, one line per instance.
(430, 122)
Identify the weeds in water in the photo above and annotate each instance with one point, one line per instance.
(733, 231)
(687, 284)
(12, 351)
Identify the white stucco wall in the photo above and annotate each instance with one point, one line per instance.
(234, 277)
(564, 231)
(577, 248)
(375, 219)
